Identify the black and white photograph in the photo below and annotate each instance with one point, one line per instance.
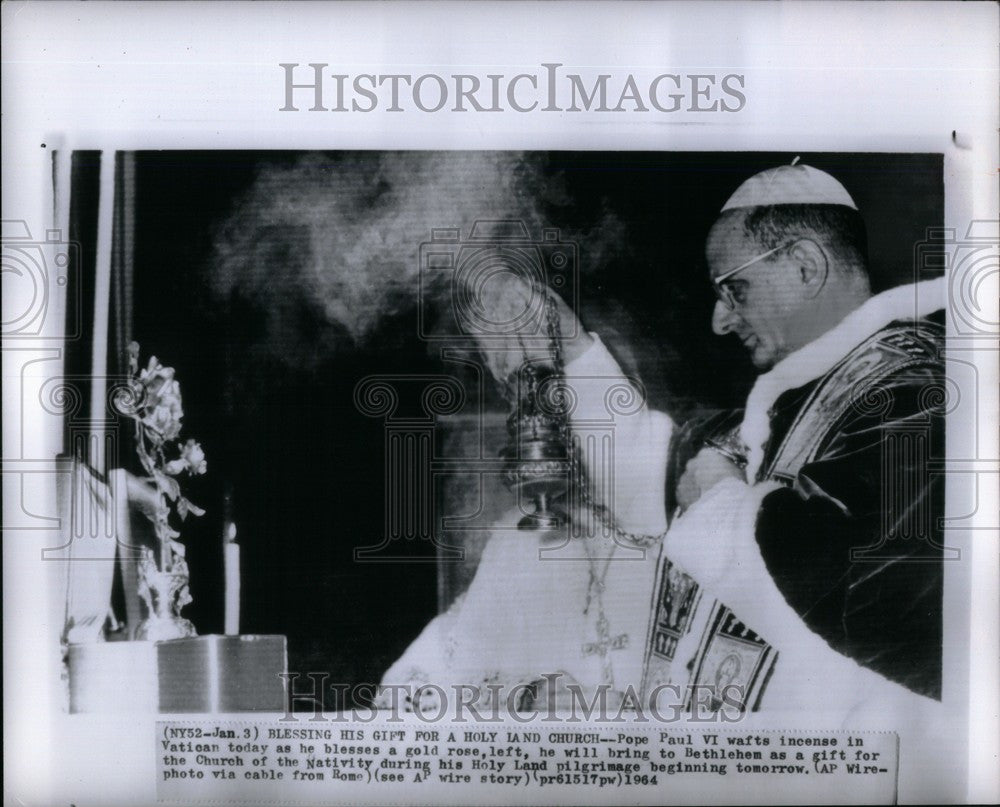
(379, 451)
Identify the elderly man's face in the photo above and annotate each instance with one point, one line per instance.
(769, 299)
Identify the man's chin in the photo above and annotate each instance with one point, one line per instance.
(762, 358)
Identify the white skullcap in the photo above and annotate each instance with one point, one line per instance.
(790, 185)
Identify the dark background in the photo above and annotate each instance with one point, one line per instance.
(305, 469)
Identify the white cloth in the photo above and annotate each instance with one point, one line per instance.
(523, 615)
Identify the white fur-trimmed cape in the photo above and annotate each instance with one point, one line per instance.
(821, 355)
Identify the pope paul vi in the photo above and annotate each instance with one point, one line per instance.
(781, 556)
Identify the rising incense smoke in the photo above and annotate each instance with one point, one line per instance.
(340, 235)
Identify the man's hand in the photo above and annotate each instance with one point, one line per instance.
(702, 473)
(516, 313)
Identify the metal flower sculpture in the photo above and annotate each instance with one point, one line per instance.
(156, 410)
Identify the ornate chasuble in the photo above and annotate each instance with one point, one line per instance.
(760, 595)
(697, 643)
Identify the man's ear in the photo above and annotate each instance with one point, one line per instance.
(813, 265)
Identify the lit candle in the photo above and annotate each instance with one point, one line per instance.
(232, 584)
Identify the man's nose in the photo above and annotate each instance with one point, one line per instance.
(723, 319)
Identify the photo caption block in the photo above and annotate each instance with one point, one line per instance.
(239, 761)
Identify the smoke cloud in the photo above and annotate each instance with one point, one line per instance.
(336, 239)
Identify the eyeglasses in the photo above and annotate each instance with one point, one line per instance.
(725, 293)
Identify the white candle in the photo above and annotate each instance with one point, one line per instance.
(232, 584)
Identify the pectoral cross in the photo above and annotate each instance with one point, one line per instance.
(605, 642)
